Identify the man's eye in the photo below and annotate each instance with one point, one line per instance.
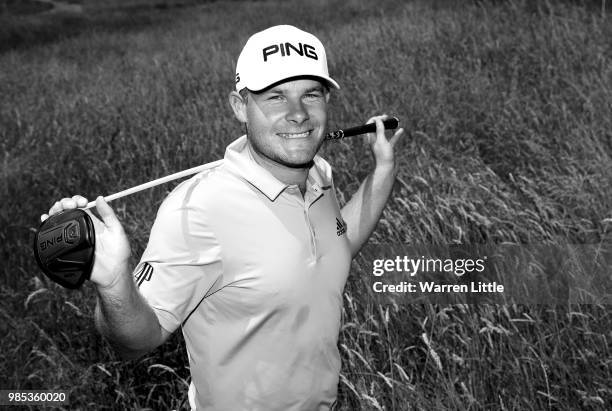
(275, 97)
(313, 95)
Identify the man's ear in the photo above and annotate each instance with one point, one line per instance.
(239, 105)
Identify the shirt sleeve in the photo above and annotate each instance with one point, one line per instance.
(182, 262)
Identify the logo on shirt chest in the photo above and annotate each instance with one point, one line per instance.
(144, 274)
(340, 226)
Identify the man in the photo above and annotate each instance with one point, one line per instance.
(250, 257)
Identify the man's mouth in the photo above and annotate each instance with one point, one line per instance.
(303, 134)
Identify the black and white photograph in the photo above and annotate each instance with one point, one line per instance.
(285, 205)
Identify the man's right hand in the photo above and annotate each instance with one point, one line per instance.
(112, 246)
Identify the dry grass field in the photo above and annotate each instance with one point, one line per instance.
(507, 107)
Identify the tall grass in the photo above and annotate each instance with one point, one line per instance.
(507, 108)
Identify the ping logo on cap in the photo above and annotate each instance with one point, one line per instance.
(279, 53)
(285, 50)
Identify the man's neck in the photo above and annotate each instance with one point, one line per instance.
(284, 174)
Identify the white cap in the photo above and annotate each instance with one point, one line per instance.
(279, 53)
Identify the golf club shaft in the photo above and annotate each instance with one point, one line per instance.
(390, 123)
(157, 182)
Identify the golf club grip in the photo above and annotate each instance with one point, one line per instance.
(390, 124)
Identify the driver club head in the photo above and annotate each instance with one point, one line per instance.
(64, 247)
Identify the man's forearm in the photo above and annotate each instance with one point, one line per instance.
(362, 212)
(125, 318)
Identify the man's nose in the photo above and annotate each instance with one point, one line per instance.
(297, 112)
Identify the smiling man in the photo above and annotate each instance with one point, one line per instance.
(250, 257)
(286, 124)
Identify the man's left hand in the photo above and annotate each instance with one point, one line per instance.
(383, 148)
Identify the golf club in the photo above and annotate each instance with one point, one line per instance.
(64, 244)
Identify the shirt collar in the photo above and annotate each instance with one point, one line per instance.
(240, 161)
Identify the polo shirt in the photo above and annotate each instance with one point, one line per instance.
(254, 274)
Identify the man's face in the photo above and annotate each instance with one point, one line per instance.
(286, 123)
